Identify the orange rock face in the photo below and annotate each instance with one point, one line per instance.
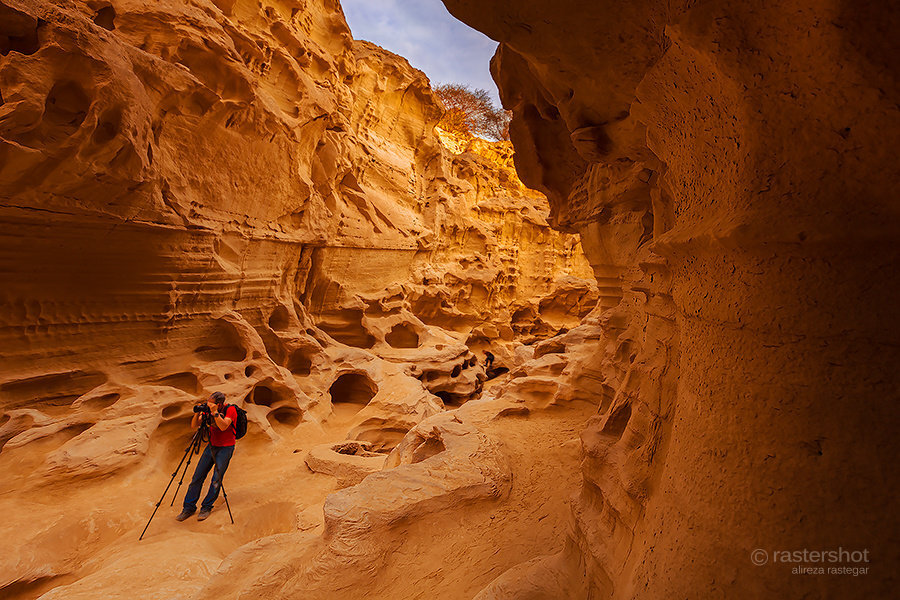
(236, 196)
(166, 166)
(726, 165)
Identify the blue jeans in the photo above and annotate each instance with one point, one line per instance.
(222, 455)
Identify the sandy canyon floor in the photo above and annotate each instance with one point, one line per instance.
(93, 526)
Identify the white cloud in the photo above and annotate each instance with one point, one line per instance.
(423, 32)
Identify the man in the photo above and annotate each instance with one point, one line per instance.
(218, 453)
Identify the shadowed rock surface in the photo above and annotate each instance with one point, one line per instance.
(726, 166)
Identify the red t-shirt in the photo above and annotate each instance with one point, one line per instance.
(217, 437)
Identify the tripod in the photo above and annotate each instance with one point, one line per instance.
(200, 436)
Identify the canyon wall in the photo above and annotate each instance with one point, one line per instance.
(728, 167)
(237, 196)
(179, 176)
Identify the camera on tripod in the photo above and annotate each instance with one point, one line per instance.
(201, 436)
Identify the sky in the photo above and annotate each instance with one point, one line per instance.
(424, 33)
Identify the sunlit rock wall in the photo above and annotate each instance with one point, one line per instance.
(489, 267)
(236, 195)
(728, 167)
(163, 164)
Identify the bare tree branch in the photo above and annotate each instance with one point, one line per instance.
(470, 111)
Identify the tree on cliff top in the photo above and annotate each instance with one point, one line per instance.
(469, 111)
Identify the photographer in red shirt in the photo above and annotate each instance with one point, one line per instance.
(218, 453)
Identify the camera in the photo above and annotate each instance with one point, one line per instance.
(201, 408)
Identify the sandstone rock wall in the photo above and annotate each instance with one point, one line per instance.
(235, 195)
(158, 160)
(222, 184)
(726, 164)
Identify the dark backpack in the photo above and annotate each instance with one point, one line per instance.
(240, 424)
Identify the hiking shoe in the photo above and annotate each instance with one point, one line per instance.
(185, 513)
(204, 514)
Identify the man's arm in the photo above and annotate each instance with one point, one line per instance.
(195, 421)
(221, 423)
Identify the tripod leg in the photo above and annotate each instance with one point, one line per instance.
(222, 487)
(166, 491)
(228, 506)
(194, 449)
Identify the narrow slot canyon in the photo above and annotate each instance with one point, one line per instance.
(609, 316)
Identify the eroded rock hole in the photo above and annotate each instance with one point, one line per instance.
(108, 126)
(280, 320)
(261, 395)
(66, 107)
(347, 328)
(187, 382)
(495, 372)
(427, 449)
(523, 315)
(171, 435)
(402, 336)
(72, 431)
(623, 350)
(171, 410)
(456, 371)
(53, 390)
(101, 402)
(300, 363)
(448, 399)
(549, 347)
(222, 344)
(618, 421)
(352, 388)
(285, 416)
(18, 32)
(106, 18)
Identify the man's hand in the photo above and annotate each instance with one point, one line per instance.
(213, 407)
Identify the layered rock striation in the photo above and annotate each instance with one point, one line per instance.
(210, 194)
(237, 196)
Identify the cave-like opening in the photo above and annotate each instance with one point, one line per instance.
(352, 388)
